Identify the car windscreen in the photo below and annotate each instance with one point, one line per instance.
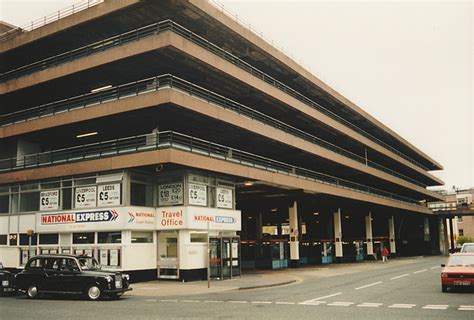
(88, 263)
(463, 261)
(468, 248)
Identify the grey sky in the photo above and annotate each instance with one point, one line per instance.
(409, 64)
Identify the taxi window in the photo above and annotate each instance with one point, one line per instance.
(37, 264)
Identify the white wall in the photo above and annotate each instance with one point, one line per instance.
(191, 255)
(10, 257)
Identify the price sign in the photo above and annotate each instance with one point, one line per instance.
(224, 198)
(49, 200)
(197, 194)
(108, 195)
(85, 197)
(170, 194)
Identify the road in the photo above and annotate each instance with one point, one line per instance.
(410, 291)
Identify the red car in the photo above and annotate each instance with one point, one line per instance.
(458, 272)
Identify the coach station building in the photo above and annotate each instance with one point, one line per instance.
(142, 132)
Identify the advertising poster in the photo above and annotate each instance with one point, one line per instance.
(114, 253)
(197, 194)
(85, 197)
(170, 194)
(103, 258)
(224, 198)
(49, 200)
(108, 195)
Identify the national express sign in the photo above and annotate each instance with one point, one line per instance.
(79, 217)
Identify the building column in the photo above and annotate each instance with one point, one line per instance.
(451, 233)
(368, 234)
(391, 236)
(338, 233)
(443, 237)
(294, 235)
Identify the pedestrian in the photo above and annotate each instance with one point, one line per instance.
(384, 253)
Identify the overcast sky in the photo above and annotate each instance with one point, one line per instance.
(409, 64)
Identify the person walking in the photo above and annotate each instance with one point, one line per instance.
(384, 253)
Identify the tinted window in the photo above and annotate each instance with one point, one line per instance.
(78, 238)
(109, 237)
(49, 238)
(3, 239)
(24, 239)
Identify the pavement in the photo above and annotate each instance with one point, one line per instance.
(255, 279)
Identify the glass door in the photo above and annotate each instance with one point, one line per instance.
(168, 263)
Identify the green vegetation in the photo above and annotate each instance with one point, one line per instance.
(464, 239)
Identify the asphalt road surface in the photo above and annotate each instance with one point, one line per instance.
(411, 291)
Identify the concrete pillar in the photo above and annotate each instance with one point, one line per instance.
(391, 230)
(338, 233)
(443, 237)
(368, 234)
(451, 233)
(294, 235)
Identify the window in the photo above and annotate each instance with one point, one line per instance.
(461, 232)
(198, 237)
(3, 239)
(24, 239)
(141, 194)
(49, 238)
(142, 237)
(13, 239)
(29, 201)
(109, 237)
(83, 238)
(4, 203)
(459, 218)
(66, 197)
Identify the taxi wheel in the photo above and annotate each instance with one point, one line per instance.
(444, 288)
(93, 292)
(32, 291)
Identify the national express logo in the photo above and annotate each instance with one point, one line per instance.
(140, 216)
(79, 217)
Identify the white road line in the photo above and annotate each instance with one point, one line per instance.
(401, 276)
(151, 300)
(213, 301)
(369, 285)
(236, 301)
(341, 304)
(169, 300)
(402, 306)
(262, 302)
(419, 271)
(283, 302)
(369, 305)
(432, 268)
(436, 306)
(313, 303)
(192, 301)
(466, 308)
(320, 298)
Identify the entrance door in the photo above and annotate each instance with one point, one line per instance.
(168, 263)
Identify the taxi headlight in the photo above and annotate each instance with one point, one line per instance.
(126, 276)
(109, 279)
(444, 275)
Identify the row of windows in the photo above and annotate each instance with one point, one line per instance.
(114, 237)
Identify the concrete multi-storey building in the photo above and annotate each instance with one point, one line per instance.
(135, 130)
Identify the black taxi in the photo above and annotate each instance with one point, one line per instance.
(7, 281)
(69, 274)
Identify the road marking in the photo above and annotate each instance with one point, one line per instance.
(369, 305)
(329, 296)
(398, 277)
(237, 301)
(169, 300)
(341, 304)
(192, 301)
(369, 285)
(466, 308)
(432, 268)
(402, 306)
(262, 302)
(313, 303)
(419, 271)
(151, 300)
(436, 306)
(213, 301)
(282, 302)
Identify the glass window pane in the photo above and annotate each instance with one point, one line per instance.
(4, 203)
(24, 239)
(141, 194)
(142, 237)
(109, 237)
(83, 238)
(198, 237)
(49, 238)
(67, 198)
(29, 201)
(3, 239)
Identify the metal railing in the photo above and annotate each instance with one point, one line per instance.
(169, 25)
(170, 139)
(169, 81)
(49, 19)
